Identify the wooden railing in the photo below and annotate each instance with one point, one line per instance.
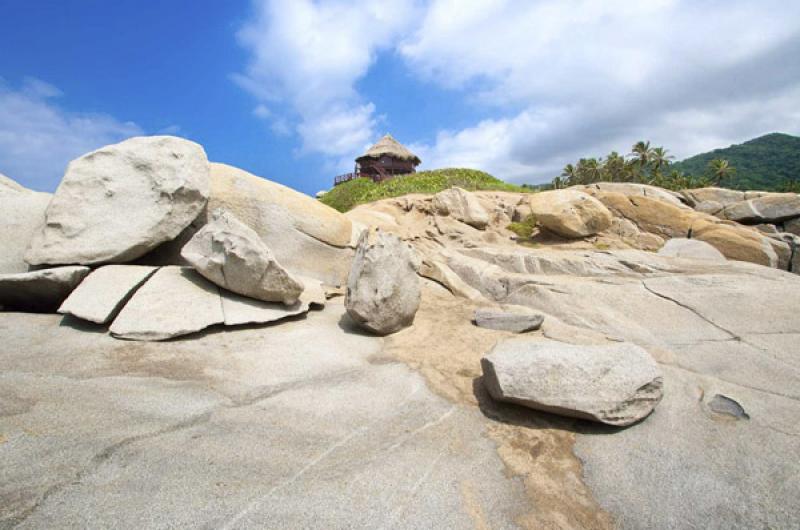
(344, 178)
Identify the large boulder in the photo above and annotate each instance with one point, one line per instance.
(667, 221)
(383, 291)
(681, 247)
(305, 236)
(42, 290)
(570, 213)
(119, 202)
(102, 294)
(461, 205)
(792, 226)
(230, 254)
(175, 301)
(736, 242)
(21, 216)
(636, 190)
(617, 384)
(721, 196)
(771, 208)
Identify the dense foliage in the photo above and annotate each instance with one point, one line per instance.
(770, 162)
(644, 165)
(349, 194)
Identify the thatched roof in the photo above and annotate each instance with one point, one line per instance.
(389, 146)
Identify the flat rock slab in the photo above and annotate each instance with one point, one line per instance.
(102, 294)
(508, 320)
(175, 301)
(617, 384)
(680, 247)
(286, 426)
(240, 310)
(42, 291)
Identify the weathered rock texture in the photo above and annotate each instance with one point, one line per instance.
(117, 203)
(680, 247)
(102, 294)
(21, 216)
(175, 301)
(42, 290)
(383, 291)
(306, 236)
(618, 384)
(771, 208)
(570, 213)
(461, 205)
(230, 254)
(518, 320)
(634, 189)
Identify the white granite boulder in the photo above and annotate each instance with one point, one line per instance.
(230, 254)
(461, 205)
(770, 208)
(117, 203)
(383, 289)
(570, 213)
(617, 384)
(21, 216)
(39, 291)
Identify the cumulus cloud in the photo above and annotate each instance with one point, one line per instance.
(562, 79)
(38, 138)
(306, 58)
(581, 78)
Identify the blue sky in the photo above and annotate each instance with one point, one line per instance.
(293, 90)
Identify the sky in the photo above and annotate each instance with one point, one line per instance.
(294, 90)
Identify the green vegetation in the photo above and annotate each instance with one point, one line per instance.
(359, 191)
(524, 228)
(770, 162)
(644, 165)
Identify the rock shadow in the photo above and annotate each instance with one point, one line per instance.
(533, 419)
(78, 324)
(349, 326)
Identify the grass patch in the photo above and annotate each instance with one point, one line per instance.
(524, 228)
(350, 194)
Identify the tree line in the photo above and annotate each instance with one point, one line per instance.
(643, 165)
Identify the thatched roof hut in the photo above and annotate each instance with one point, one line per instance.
(392, 148)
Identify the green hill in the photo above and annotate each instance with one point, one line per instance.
(764, 163)
(350, 194)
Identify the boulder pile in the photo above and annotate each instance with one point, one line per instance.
(155, 242)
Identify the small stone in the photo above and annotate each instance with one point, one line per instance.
(516, 321)
(729, 407)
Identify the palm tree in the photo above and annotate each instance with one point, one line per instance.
(720, 171)
(589, 170)
(558, 183)
(659, 158)
(642, 152)
(614, 167)
(570, 174)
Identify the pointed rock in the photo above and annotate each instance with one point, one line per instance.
(230, 254)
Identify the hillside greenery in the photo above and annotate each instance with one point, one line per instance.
(770, 162)
(349, 194)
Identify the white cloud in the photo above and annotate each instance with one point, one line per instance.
(38, 138)
(307, 57)
(562, 79)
